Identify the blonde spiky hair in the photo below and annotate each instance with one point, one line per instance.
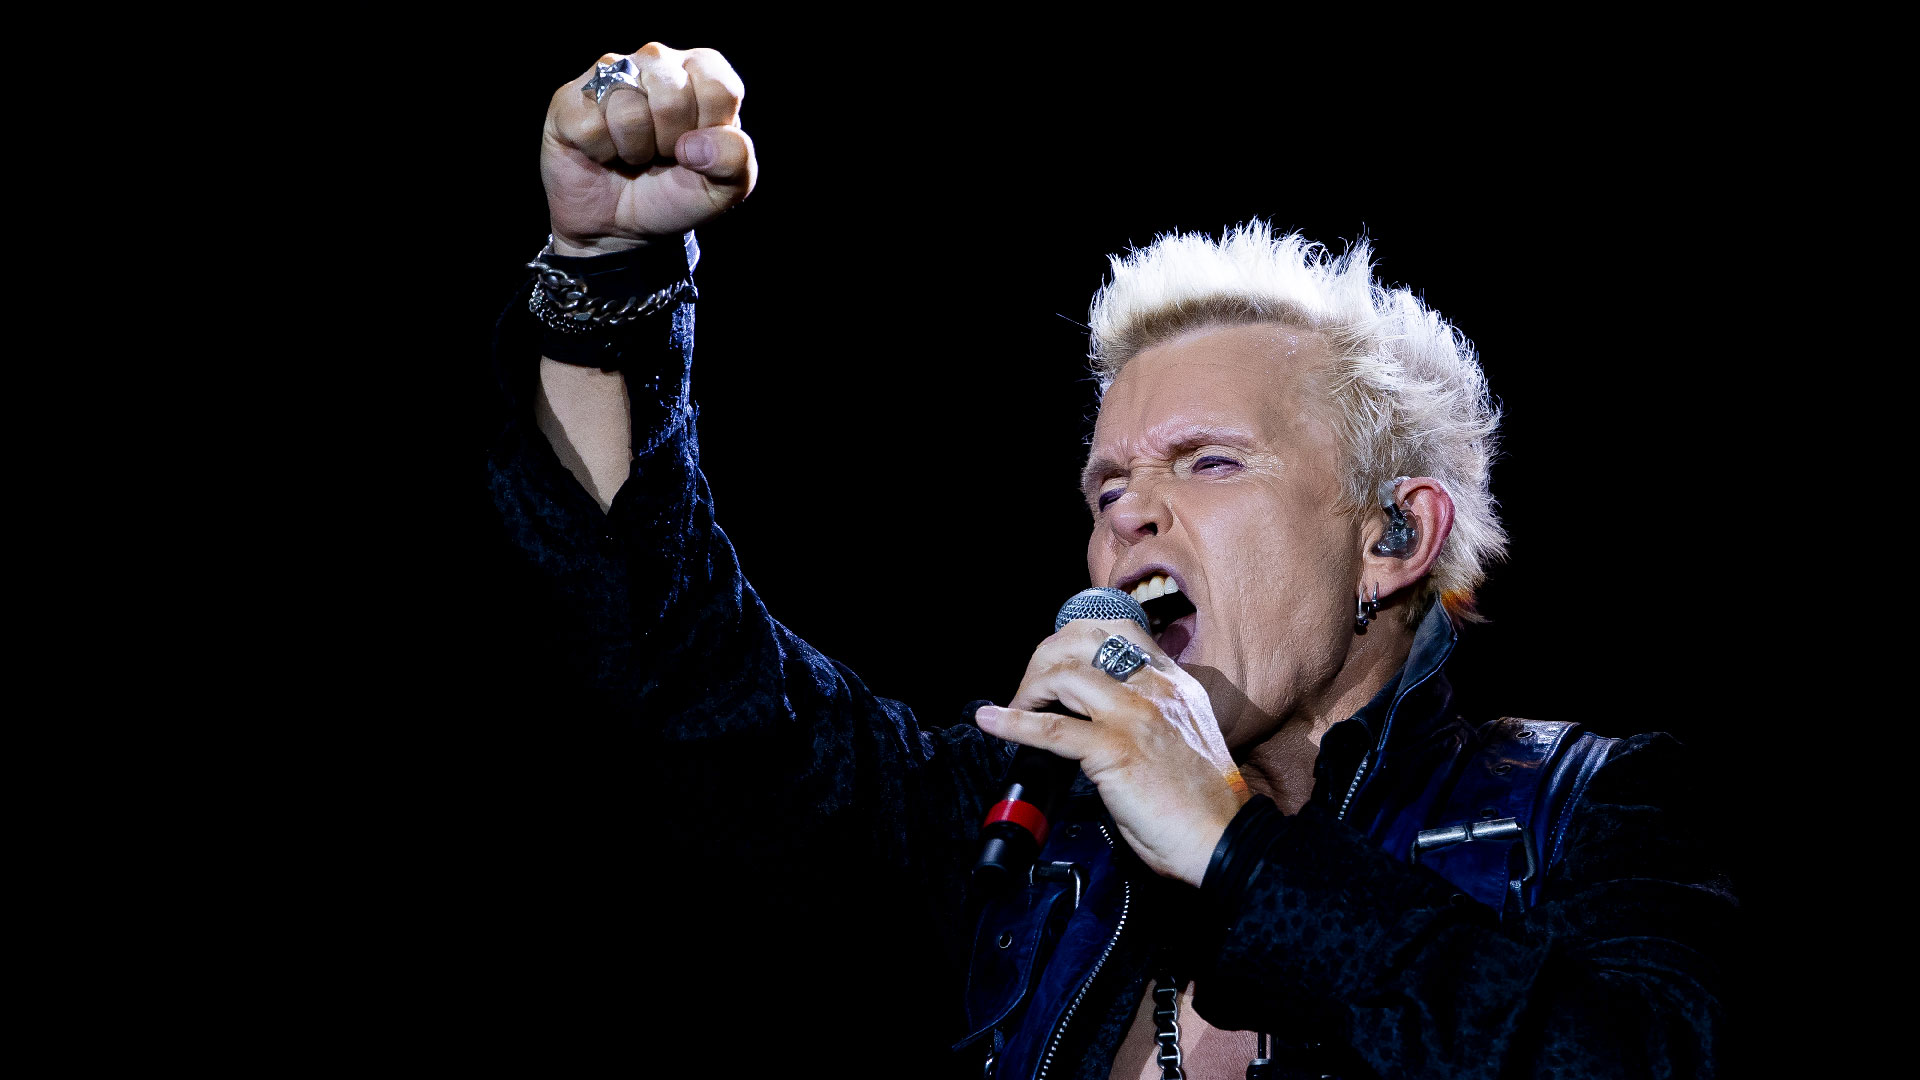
(1408, 394)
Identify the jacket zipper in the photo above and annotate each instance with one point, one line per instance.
(1126, 902)
(1060, 1029)
(1367, 758)
(1353, 787)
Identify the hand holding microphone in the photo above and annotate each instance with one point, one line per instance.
(1148, 741)
(1037, 782)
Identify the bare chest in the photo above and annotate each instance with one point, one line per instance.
(1206, 1052)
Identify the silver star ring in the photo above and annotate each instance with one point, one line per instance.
(1119, 657)
(606, 77)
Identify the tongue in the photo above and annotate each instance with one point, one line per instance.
(1177, 636)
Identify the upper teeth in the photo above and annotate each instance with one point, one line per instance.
(1153, 586)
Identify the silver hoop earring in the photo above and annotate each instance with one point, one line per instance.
(1365, 610)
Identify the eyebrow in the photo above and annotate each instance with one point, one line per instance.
(1099, 469)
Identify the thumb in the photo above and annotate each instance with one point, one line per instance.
(721, 154)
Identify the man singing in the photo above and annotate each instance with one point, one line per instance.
(1290, 853)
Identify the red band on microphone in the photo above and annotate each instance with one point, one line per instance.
(1021, 813)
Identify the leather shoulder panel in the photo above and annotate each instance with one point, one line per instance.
(1508, 771)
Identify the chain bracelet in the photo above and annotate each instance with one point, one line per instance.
(561, 303)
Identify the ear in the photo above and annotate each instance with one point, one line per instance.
(1401, 563)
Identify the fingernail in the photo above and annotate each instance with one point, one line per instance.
(986, 715)
(696, 150)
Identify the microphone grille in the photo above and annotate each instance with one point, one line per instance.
(1101, 603)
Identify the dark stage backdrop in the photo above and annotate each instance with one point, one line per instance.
(891, 368)
(892, 372)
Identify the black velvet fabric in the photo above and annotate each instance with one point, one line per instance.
(781, 851)
(733, 832)
(1613, 974)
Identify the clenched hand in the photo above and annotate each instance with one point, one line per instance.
(648, 162)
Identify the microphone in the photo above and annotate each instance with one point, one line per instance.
(1016, 826)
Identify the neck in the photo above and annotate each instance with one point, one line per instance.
(1281, 766)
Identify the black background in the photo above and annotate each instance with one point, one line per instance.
(891, 369)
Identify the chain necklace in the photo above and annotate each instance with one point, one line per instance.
(1166, 1033)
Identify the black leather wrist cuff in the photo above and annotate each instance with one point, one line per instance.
(635, 272)
(1236, 858)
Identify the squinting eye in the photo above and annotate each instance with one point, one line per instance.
(1211, 462)
(1107, 497)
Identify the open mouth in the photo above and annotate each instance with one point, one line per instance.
(1164, 611)
(1169, 613)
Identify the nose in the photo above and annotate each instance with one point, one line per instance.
(1138, 514)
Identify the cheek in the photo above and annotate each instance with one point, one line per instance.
(1290, 572)
(1099, 556)
(1317, 569)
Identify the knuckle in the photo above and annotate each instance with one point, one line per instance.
(1051, 647)
(658, 80)
(716, 99)
(1077, 637)
(589, 126)
(713, 70)
(672, 101)
(1062, 665)
(710, 63)
(626, 108)
(1038, 662)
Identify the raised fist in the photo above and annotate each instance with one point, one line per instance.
(648, 160)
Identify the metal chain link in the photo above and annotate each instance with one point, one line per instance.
(561, 303)
(1166, 1032)
(1166, 1026)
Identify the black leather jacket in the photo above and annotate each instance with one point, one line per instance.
(1327, 935)
(1486, 807)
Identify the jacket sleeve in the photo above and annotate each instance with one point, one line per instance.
(1331, 941)
(766, 753)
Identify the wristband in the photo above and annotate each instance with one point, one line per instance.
(1237, 857)
(591, 308)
